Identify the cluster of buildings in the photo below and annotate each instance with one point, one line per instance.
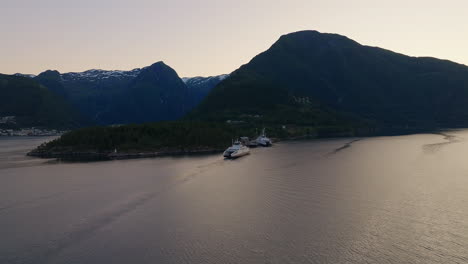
(30, 132)
(7, 122)
(7, 119)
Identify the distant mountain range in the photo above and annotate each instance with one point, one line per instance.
(315, 79)
(307, 79)
(148, 94)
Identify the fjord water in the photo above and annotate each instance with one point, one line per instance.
(397, 199)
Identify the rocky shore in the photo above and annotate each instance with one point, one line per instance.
(96, 156)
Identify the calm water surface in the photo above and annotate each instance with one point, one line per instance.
(377, 200)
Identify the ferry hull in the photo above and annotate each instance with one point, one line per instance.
(235, 155)
(265, 144)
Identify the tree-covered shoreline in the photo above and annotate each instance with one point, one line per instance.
(168, 138)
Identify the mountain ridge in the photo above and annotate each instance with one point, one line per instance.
(337, 74)
(304, 78)
(104, 95)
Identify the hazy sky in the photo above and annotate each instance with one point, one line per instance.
(209, 37)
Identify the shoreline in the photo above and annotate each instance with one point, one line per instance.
(102, 156)
(85, 156)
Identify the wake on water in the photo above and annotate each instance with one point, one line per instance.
(434, 147)
(343, 147)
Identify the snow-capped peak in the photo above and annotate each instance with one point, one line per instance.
(25, 75)
(223, 76)
(199, 79)
(98, 74)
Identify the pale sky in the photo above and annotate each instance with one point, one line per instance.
(210, 37)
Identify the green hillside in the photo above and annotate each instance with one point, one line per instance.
(326, 79)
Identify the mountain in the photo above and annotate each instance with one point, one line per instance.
(155, 94)
(92, 92)
(26, 103)
(53, 81)
(199, 87)
(152, 93)
(321, 79)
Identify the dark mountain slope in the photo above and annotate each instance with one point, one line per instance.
(307, 75)
(34, 105)
(53, 81)
(153, 93)
(156, 94)
(199, 87)
(92, 92)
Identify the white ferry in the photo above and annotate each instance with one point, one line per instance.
(236, 150)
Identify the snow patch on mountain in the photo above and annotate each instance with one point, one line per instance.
(199, 80)
(97, 74)
(25, 75)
